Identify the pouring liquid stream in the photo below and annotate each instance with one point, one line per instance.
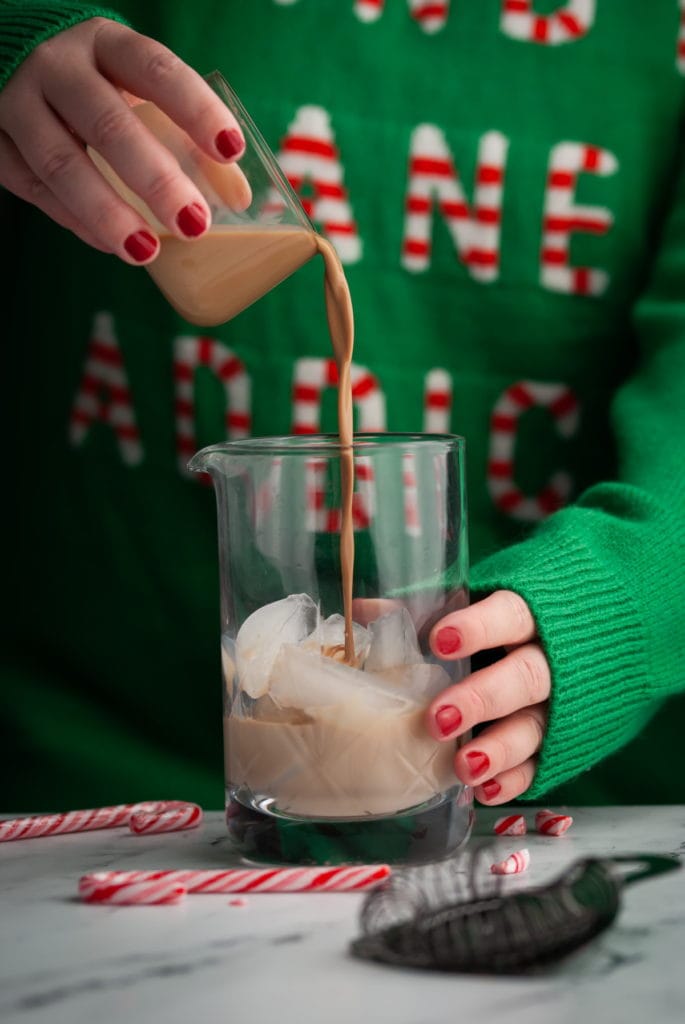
(341, 329)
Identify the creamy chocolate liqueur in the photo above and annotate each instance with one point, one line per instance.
(343, 761)
(211, 279)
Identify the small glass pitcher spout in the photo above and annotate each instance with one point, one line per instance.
(213, 459)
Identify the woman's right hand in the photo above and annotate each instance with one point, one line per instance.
(73, 91)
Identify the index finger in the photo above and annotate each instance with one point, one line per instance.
(151, 71)
(500, 619)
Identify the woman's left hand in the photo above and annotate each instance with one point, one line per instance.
(510, 695)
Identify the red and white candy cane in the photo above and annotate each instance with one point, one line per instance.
(104, 395)
(308, 154)
(368, 10)
(565, 25)
(159, 812)
(437, 402)
(191, 352)
(562, 405)
(314, 375)
(433, 180)
(562, 217)
(551, 823)
(107, 887)
(430, 14)
(319, 518)
(515, 864)
(70, 821)
(97, 887)
(511, 825)
(165, 816)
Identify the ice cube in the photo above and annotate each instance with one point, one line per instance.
(333, 639)
(393, 642)
(263, 634)
(307, 680)
(419, 683)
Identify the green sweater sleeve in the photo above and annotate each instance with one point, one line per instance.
(605, 578)
(24, 25)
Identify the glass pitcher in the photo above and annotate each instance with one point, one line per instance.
(327, 757)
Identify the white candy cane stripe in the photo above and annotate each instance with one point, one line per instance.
(562, 405)
(437, 402)
(680, 49)
(191, 352)
(369, 10)
(430, 14)
(309, 156)
(515, 864)
(253, 880)
(105, 888)
(104, 395)
(313, 376)
(433, 180)
(550, 823)
(511, 825)
(562, 217)
(168, 816)
(412, 512)
(571, 22)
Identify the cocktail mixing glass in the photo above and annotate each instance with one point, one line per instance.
(328, 759)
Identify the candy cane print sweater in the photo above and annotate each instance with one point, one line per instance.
(504, 184)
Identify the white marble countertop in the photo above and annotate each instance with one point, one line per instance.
(284, 958)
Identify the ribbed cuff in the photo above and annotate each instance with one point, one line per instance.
(592, 631)
(24, 25)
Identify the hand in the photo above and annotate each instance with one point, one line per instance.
(512, 695)
(72, 92)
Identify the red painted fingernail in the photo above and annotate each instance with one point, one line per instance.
(447, 718)
(229, 143)
(141, 245)
(478, 762)
(448, 640)
(192, 220)
(491, 789)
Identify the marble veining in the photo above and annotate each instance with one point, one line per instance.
(285, 957)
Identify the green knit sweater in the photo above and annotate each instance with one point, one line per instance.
(504, 184)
